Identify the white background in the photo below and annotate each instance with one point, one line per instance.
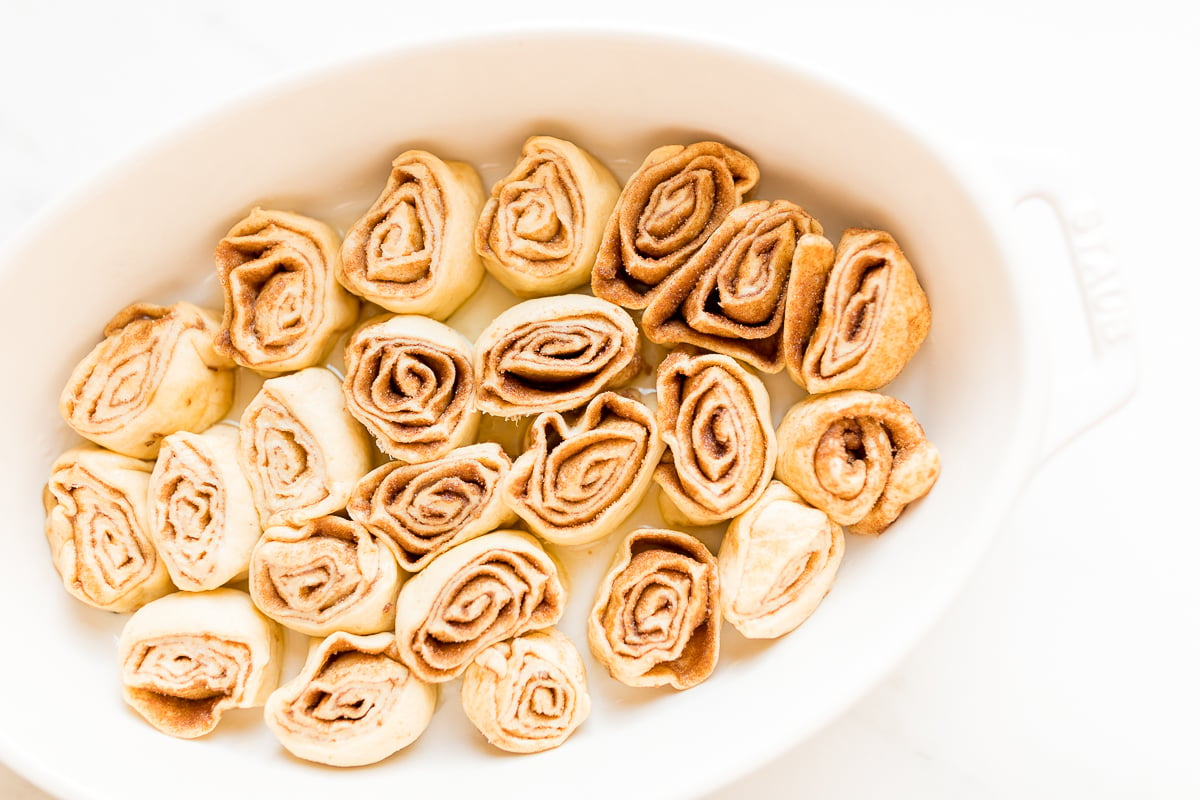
(1070, 664)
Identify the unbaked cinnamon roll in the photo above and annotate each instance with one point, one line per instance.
(300, 448)
(410, 381)
(577, 482)
(554, 354)
(98, 530)
(353, 703)
(412, 252)
(189, 657)
(202, 516)
(540, 229)
(329, 574)
(284, 308)
(715, 418)
(528, 694)
(422, 510)
(657, 619)
(156, 372)
(860, 457)
(474, 595)
(753, 291)
(777, 562)
(875, 316)
(665, 213)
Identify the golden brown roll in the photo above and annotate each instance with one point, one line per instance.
(528, 694)
(412, 252)
(540, 229)
(156, 372)
(189, 657)
(753, 291)
(667, 210)
(554, 354)
(715, 418)
(875, 316)
(300, 449)
(577, 482)
(422, 510)
(329, 574)
(202, 516)
(410, 381)
(657, 618)
(777, 562)
(474, 595)
(284, 308)
(98, 530)
(860, 457)
(353, 703)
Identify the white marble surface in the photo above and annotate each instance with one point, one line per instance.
(1068, 666)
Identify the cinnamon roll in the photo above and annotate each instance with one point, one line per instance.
(189, 657)
(554, 354)
(410, 381)
(98, 530)
(156, 372)
(777, 562)
(412, 252)
(474, 595)
(528, 694)
(202, 516)
(329, 574)
(875, 316)
(657, 619)
(284, 309)
(715, 419)
(422, 510)
(860, 457)
(753, 291)
(577, 482)
(540, 229)
(300, 448)
(353, 703)
(665, 213)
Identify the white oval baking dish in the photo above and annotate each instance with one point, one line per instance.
(980, 385)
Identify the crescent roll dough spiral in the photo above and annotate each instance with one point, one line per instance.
(667, 210)
(528, 694)
(352, 704)
(327, 575)
(715, 419)
(410, 381)
(777, 562)
(300, 448)
(576, 483)
(190, 656)
(156, 372)
(554, 354)
(474, 595)
(284, 308)
(412, 252)
(860, 457)
(657, 620)
(540, 230)
(875, 316)
(202, 516)
(422, 510)
(753, 291)
(98, 531)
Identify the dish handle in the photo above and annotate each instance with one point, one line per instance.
(1094, 374)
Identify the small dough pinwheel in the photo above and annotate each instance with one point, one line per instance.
(189, 657)
(353, 703)
(156, 372)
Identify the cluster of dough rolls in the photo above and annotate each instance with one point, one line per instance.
(368, 511)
